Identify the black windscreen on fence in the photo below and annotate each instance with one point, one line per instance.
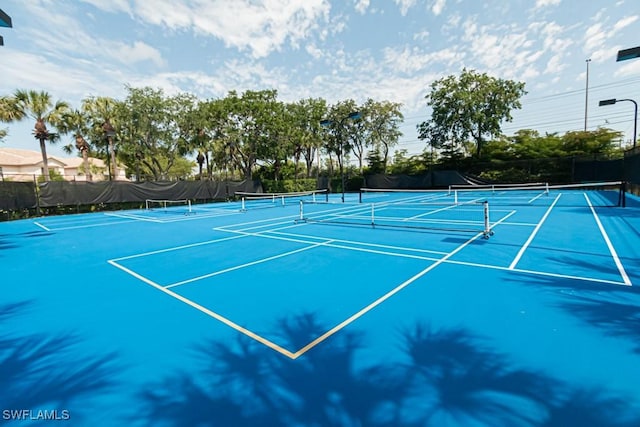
(91, 193)
(427, 180)
(17, 195)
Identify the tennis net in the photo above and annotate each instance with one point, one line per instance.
(270, 200)
(469, 217)
(597, 194)
(168, 206)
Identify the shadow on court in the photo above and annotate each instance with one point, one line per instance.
(450, 378)
(43, 372)
(614, 309)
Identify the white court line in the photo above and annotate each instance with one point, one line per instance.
(533, 234)
(176, 248)
(249, 264)
(41, 226)
(99, 224)
(380, 300)
(536, 198)
(132, 216)
(443, 209)
(208, 312)
(329, 243)
(612, 250)
(376, 245)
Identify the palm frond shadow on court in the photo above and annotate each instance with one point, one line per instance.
(43, 371)
(450, 376)
(614, 309)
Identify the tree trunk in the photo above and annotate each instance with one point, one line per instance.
(114, 167)
(87, 167)
(45, 161)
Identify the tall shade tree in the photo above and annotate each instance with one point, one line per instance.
(308, 114)
(252, 126)
(37, 106)
(154, 131)
(470, 106)
(341, 131)
(383, 119)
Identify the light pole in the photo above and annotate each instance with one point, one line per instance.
(586, 96)
(327, 122)
(635, 115)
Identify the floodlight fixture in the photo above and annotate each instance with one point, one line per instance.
(5, 20)
(635, 114)
(606, 102)
(631, 53)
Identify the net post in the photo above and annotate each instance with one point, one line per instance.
(326, 196)
(282, 200)
(189, 205)
(449, 190)
(546, 188)
(373, 215)
(360, 196)
(623, 194)
(301, 211)
(242, 206)
(455, 197)
(487, 223)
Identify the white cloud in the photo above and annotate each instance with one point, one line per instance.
(405, 5)
(362, 6)
(438, 6)
(545, 3)
(260, 28)
(138, 52)
(624, 22)
(110, 5)
(594, 37)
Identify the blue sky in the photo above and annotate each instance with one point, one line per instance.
(383, 49)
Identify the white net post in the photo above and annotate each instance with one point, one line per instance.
(189, 206)
(373, 215)
(455, 197)
(301, 211)
(487, 222)
(282, 200)
(243, 206)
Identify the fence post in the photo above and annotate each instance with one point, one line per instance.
(37, 193)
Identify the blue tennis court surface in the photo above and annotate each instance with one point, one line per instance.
(447, 308)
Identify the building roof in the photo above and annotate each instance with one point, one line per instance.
(21, 157)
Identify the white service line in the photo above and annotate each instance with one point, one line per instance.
(208, 312)
(612, 250)
(249, 264)
(176, 248)
(533, 234)
(41, 226)
(382, 299)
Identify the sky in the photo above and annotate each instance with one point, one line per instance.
(388, 50)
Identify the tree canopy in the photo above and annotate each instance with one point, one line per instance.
(471, 106)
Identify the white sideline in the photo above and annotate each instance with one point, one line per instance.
(612, 250)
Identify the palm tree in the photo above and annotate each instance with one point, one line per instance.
(76, 122)
(39, 107)
(101, 111)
